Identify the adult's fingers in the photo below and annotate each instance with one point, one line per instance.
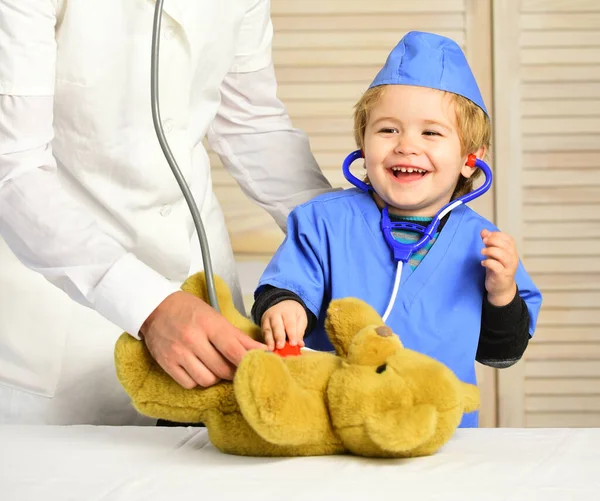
(199, 371)
(211, 359)
(251, 344)
(179, 374)
(232, 343)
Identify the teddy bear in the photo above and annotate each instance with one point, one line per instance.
(372, 397)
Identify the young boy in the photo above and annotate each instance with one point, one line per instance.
(465, 296)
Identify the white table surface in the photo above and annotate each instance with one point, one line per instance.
(45, 463)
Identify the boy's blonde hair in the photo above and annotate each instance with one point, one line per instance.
(474, 128)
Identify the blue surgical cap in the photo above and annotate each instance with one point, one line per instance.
(429, 60)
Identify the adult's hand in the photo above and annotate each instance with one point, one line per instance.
(194, 343)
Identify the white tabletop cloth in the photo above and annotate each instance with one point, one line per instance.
(147, 463)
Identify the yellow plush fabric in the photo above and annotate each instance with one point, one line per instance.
(373, 398)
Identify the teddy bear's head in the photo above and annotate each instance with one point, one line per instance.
(386, 400)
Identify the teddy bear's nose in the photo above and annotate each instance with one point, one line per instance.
(384, 331)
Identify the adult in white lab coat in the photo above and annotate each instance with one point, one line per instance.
(89, 204)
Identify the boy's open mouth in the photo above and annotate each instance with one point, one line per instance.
(407, 174)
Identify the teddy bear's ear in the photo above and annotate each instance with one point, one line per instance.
(196, 285)
(471, 397)
(345, 318)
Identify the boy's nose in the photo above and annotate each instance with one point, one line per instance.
(407, 145)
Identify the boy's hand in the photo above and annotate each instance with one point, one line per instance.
(501, 265)
(287, 317)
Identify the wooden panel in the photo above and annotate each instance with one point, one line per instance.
(568, 6)
(573, 299)
(339, 91)
(575, 125)
(334, 7)
(556, 108)
(557, 90)
(560, 38)
(561, 160)
(570, 264)
(557, 386)
(342, 143)
(326, 74)
(563, 419)
(366, 21)
(345, 39)
(562, 369)
(562, 247)
(245, 242)
(567, 281)
(587, 142)
(562, 230)
(581, 403)
(575, 334)
(560, 73)
(325, 125)
(568, 176)
(333, 57)
(507, 159)
(319, 108)
(560, 21)
(566, 56)
(560, 126)
(564, 351)
(577, 212)
(558, 195)
(567, 317)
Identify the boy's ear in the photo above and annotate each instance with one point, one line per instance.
(480, 153)
(467, 171)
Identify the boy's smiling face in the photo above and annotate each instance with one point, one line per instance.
(414, 129)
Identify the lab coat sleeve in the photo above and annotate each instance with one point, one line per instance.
(48, 230)
(253, 134)
(298, 265)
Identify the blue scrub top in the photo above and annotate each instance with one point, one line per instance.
(334, 248)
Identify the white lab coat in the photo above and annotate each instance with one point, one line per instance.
(87, 200)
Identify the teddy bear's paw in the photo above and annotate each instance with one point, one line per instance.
(402, 430)
(133, 364)
(472, 399)
(279, 409)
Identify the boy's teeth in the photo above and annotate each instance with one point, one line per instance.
(407, 169)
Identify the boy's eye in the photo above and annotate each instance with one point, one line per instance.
(431, 133)
(388, 130)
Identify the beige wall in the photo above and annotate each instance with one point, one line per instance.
(539, 69)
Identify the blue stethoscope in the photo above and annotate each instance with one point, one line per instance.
(402, 251)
